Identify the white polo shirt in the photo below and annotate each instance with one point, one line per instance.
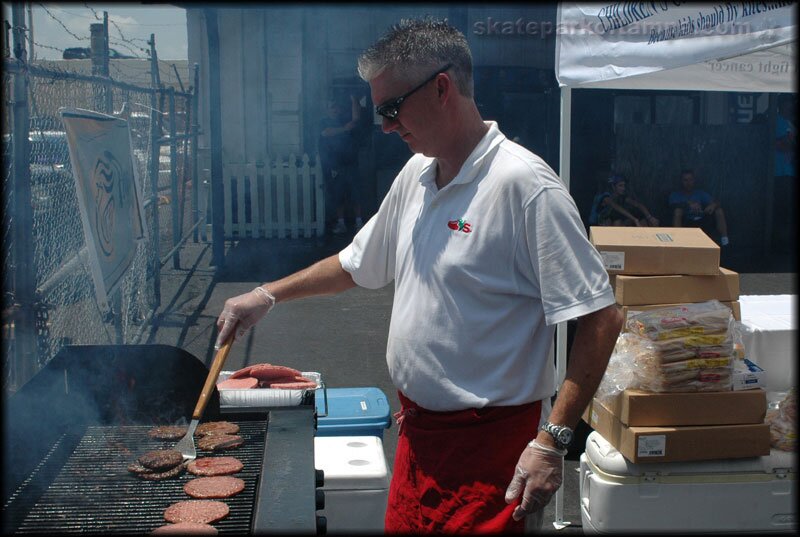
(483, 269)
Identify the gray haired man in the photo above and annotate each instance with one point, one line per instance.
(487, 253)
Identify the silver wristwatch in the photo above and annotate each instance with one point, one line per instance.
(560, 433)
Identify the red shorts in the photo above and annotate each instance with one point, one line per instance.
(452, 469)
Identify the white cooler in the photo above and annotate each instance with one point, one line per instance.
(356, 482)
(734, 495)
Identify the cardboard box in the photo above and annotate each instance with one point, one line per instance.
(736, 310)
(676, 288)
(674, 444)
(640, 408)
(655, 250)
(748, 376)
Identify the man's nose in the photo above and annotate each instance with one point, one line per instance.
(388, 125)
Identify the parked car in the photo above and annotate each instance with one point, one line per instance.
(49, 166)
(82, 53)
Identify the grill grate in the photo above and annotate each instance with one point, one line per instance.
(94, 492)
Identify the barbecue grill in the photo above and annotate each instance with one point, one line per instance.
(71, 432)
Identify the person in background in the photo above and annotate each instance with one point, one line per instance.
(338, 149)
(487, 253)
(784, 236)
(693, 207)
(615, 207)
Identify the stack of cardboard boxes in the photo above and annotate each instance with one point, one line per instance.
(651, 268)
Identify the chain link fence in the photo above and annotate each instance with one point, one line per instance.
(65, 308)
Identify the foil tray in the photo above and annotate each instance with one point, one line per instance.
(264, 397)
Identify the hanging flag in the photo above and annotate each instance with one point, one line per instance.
(717, 46)
(108, 192)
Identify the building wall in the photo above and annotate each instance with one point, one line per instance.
(280, 63)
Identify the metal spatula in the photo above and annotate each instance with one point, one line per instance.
(186, 445)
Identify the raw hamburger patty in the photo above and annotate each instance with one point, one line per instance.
(241, 373)
(213, 487)
(161, 459)
(297, 383)
(217, 442)
(185, 528)
(199, 511)
(168, 432)
(269, 371)
(216, 427)
(211, 466)
(238, 384)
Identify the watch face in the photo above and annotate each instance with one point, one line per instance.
(565, 436)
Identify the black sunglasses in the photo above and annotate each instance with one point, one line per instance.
(390, 109)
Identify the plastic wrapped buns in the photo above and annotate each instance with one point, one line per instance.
(683, 320)
(782, 423)
(684, 348)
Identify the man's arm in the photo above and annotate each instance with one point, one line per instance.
(620, 209)
(538, 473)
(645, 211)
(594, 341)
(334, 131)
(711, 203)
(325, 277)
(240, 313)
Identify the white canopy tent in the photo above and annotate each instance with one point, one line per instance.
(726, 46)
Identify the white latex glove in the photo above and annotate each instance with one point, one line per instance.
(242, 312)
(537, 476)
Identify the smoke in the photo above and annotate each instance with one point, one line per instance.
(98, 385)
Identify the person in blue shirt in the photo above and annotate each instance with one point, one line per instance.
(784, 231)
(693, 207)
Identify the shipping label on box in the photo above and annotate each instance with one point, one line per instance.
(654, 445)
(676, 288)
(613, 260)
(668, 250)
(748, 376)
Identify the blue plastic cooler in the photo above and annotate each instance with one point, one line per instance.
(352, 412)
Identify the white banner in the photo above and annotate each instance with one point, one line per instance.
(108, 192)
(598, 43)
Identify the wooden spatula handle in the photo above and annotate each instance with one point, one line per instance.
(211, 380)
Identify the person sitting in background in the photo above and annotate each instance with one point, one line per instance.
(615, 207)
(693, 207)
(784, 228)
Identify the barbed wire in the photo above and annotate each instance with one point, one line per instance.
(62, 24)
(127, 46)
(123, 42)
(40, 45)
(96, 16)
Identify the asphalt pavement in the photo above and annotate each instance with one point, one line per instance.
(343, 336)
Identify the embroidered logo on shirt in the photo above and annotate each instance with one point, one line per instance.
(460, 225)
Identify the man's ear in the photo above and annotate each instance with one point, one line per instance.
(444, 85)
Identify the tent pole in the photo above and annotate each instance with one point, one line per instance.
(561, 328)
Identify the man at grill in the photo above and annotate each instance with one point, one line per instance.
(488, 253)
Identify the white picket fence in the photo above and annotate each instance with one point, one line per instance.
(279, 198)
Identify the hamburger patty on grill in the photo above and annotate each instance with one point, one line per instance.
(217, 442)
(161, 459)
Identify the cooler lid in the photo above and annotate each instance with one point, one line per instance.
(352, 406)
(351, 462)
(610, 461)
